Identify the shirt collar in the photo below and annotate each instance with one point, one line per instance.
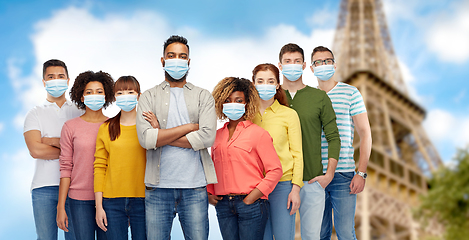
(47, 103)
(274, 106)
(165, 84)
(243, 124)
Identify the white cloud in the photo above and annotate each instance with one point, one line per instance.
(443, 127)
(449, 34)
(132, 45)
(2, 126)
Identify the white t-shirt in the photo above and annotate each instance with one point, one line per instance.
(48, 118)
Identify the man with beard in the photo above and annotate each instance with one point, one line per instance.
(176, 123)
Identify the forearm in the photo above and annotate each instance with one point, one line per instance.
(63, 192)
(365, 152)
(253, 196)
(167, 136)
(54, 142)
(331, 166)
(45, 152)
(181, 142)
(98, 198)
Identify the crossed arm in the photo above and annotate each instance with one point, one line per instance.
(42, 147)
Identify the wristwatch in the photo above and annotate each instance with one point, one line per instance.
(362, 174)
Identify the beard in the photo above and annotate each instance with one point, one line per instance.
(171, 79)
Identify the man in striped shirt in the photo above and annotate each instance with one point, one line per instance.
(350, 112)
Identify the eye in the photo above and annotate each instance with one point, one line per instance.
(130, 92)
(239, 100)
(118, 93)
(227, 101)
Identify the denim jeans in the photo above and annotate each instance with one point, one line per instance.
(338, 197)
(45, 201)
(120, 212)
(280, 223)
(238, 221)
(311, 210)
(191, 205)
(84, 220)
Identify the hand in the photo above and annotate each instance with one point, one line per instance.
(213, 199)
(54, 142)
(193, 126)
(323, 180)
(62, 219)
(101, 218)
(151, 118)
(357, 185)
(294, 199)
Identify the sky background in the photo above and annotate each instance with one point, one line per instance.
(226, 38)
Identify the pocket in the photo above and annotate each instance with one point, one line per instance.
(347, 175)
(320, 185)
(244, 147)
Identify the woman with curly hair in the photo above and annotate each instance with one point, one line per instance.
(90, 92)
(246, 163)
(119, 167)
(283, 125)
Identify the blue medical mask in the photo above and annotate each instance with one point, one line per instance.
(94, 102)
(176, 68)
(126, 102)
(266, 91)
(56, 87)
(292, 71)
(234, 111)
(324, 72)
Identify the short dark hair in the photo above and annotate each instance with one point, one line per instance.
(175, 39)
(291, 47)
(53, 63)
(321, 49)
(84, 78)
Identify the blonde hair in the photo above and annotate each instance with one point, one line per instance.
(227, 86)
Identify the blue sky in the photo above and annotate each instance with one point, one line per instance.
(227, 38)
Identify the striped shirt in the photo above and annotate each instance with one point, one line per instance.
(347, 102)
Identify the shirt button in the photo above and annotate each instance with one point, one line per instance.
(166, 104)
(291, 105)
(164, 120)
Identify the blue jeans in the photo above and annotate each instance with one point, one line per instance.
(120, 212)
(191, 205)
(280, 223)
(45, 201)
(311, 210)
(84, 220)
(338, 197)
(238, 221)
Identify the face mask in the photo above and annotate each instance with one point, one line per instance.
(324, 72)
(126, 102)
(234, 111)
(292, 71)
(56, 87)
(94, 102)
(266, 91)
(176, 68)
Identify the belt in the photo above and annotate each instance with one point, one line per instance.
(233, 196)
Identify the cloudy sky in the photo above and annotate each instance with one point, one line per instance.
(227, 38)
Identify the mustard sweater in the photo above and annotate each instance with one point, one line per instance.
(119, 166)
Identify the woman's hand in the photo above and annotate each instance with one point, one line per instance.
(213, 199)
(294, 199)
(62, 219)
(151, 118)
(101, 218)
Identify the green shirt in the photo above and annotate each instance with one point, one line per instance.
(315, 111)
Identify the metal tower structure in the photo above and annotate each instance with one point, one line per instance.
(402, 154)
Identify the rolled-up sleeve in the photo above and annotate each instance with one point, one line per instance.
(147, 135)
(205, 136)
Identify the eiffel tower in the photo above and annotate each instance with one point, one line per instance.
(402, 155)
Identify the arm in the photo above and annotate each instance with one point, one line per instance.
(37, 149)
(62, 218)
(101, 218)
(296, 149)
(205, 135)
(272, 168)
(329, 124)
(54, 142)
(364, 131)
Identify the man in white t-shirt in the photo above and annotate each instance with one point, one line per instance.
(349, 107)
(41, 132)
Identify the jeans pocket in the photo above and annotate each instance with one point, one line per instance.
(320, 185)
(347, 175)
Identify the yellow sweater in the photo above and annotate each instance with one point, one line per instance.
(283, 125)
(119, 166)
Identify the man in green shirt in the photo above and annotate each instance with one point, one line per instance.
(315, 111)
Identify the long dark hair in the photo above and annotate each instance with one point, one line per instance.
(280, 94)
(123, 83)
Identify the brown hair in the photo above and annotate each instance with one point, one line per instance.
(291, 47)
(53, 63)
(280, 95)
(227, 86)
(123, 83)
(321, 49)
